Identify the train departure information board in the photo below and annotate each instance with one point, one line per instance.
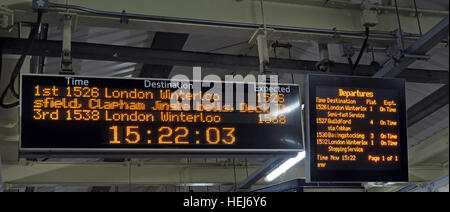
(357, 129)
(75, 114)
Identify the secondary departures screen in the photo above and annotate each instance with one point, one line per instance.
(357, 129)
(78, 114)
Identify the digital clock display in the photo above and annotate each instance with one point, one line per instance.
(75, 114)
(356, 129)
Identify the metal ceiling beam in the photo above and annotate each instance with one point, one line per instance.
(163, 41)
(258, 174)
(426, 172)
(191, 59)
(428, 105)
(109, 174)
(101, 189)
(420, 154)
(428, 148)
(420, 47)
(432, 186)
(419, 170)
(300, 185)
(419, 175)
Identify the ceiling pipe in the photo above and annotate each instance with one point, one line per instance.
(411, 10)
(378, 4)
(123, 15)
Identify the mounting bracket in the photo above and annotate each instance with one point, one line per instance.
(66, 57)
(41, 5)
(325, 63)
(400, 52)
(260, 36)
(6, 19)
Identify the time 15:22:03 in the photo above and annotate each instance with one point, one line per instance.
(172, 135)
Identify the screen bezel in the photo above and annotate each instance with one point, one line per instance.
(144, 152)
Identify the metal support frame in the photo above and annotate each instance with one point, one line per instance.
(400, 42)
(325, 63)
(432, 186)
(66, 56)
(291, 20)
(428, 148)
(428, 105)
(300, 185)
(420, 168)
(6, 18)
(420, 47)
(258, 174)
(44, 36)
(263, 52)
(212, 60)
(260, 37)
(109, 174)
(29, 189)
(37, 62)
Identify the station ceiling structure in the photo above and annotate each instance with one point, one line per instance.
(174, 35)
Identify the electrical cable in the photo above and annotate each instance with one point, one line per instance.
(36, 29)
(290, 58)
(18, 67)
(350, 62)
(363, 48)
(399, 25)
(373, 54)
(262, 14)
(374, 62)
(7, 105)
(228, 46)
(418, 18)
